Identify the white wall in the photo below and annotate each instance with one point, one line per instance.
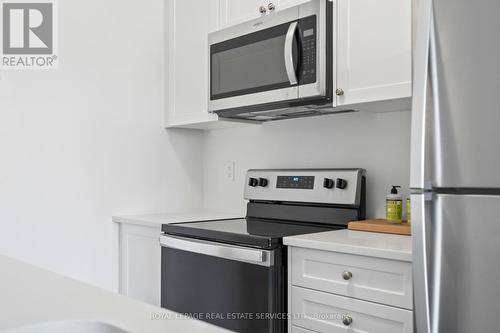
(84, 142)
(377, 142)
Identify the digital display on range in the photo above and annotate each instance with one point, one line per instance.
(299, 182)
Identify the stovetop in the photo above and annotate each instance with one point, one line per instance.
(253, 232)
(286, 202)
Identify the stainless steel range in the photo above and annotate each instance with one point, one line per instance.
(233, 273)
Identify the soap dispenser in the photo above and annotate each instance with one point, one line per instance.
(394, 206)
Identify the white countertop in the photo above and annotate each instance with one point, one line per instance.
(156, 220)
(30, 295)
(395, 247)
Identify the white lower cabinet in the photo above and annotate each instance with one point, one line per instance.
(323, 312)
(373, 279)
(140, 262)
(333, 292)
(296, 329)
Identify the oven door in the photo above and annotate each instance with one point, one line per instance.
(276, 59)
(241, 289)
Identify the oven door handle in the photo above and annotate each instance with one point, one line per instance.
(289, 65)
(258, 257)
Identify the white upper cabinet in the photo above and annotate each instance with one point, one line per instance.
(188, 25)
(189, 22)
(373, 48)
(237, 11)
(373, 51)
(372, 54)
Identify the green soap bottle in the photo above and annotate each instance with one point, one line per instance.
(394, 206)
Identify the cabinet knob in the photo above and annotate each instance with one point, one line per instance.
(346, 275)
(339, 92)
(347, 320)
(262, 10)
(271, 6)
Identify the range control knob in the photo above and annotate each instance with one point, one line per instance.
(253, 182)
(263, 182)
(341, 183)
(328, 183)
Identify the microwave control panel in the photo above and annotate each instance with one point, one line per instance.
(308, 46)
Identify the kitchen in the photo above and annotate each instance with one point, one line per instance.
(94, 168)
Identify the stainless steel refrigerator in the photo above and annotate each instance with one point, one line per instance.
(455, 166)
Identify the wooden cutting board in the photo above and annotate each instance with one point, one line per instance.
(381, 225)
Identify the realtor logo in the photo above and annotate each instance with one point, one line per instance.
(28, 34)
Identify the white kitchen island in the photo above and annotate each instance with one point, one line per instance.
(30, 295)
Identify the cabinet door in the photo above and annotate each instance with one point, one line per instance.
(284, 4)
(373, 50)
(373, 279)
(140, 263)
(325, 313)
(237, 11)
(189, 22)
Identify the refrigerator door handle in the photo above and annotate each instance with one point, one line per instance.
(420, 244)
(421, 93)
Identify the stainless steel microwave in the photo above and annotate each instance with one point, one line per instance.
(276, 67)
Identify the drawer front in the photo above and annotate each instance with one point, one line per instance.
(367, 278)
(324, 313)
(296, 329)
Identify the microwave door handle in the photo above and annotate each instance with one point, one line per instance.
(290, 68)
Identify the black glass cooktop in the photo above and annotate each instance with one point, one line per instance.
(248, 232)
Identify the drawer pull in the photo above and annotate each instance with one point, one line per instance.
(347, 320)
(346, 275)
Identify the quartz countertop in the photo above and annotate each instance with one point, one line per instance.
(30, 295)
(388, 246)
(156, 220)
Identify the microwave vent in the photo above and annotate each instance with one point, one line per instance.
(284, 113)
